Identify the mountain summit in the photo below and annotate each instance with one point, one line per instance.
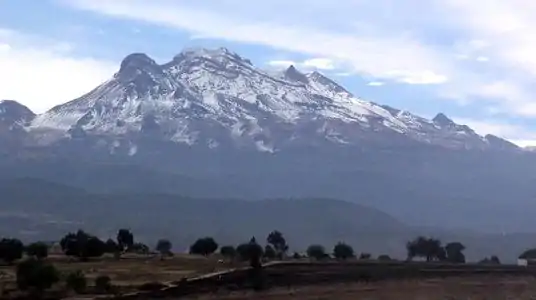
(214, 97)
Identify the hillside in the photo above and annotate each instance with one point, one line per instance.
(210, 124)
(34, 209)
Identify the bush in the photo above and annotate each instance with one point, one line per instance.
(103, 284)
(82, 245)
(38, 250)
(343, 251)
(204, 246)
(35, 274)
(76, 281)
(11, 250)
(317, 252)
(164, 247)
(228, 252)
(269, 252)
(365, 256)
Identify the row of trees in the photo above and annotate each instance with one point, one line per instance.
(84, 246)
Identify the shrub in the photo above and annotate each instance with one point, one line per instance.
(343, 251)
(38, 250)
(76, 281)
(103, 284)
(317, 252)
(36, 275)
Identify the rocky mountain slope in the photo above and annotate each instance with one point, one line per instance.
(215, 98)
(211, 124)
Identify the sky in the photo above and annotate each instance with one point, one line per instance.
(476, 63)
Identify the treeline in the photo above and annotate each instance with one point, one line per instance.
(35, 274)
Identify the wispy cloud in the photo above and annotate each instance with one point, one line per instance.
(466, 50)
(377, 52)
(41, 73)
(518, 134)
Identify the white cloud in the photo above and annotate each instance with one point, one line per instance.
(41, 73)
(307, 65)
(376, 83)
(517, 134)
(376, 52)
(320, 63)
(282, 63)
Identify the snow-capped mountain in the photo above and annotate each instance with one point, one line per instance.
(216, 98)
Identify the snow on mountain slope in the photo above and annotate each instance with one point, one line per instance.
(214, 96)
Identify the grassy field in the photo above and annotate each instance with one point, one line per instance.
(129, 272)
(473, 288)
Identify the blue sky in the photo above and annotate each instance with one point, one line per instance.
(474, 62)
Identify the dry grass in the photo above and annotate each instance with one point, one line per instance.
(129, 272)
(474, 288)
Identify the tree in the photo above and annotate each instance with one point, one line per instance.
(454, 252)
(428, 248)
(317, 252)
(11, 250)
(204, 246)
(111, 247)
(250, 250)
(36, 275)
(384, 257)
(125, 239)
(343, 251)
(270, 252)
(164, 247)
(528, 254)
(495, 260)
(38, 250)
(82, 245)
(76, 281)
(228, 252)
(278, 242)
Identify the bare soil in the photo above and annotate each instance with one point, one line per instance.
(473, 288)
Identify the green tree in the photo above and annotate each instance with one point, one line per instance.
(228, 252)
(38, 250)
(269, 252)
(82, 245)
(204, 246)
(317, 252)
(76, 281)
(343, 251)
(428, 248)
(250, 250)
(11, 250)
(164, 247)
(454, 252)
(278, 242)
(495, 260)
(125, 239)
(36, 275)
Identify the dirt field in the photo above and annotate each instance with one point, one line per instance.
(129, 272)
(474, 288)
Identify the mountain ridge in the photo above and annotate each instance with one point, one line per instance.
(215, 97)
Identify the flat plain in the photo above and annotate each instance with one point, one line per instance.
(454, 288)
